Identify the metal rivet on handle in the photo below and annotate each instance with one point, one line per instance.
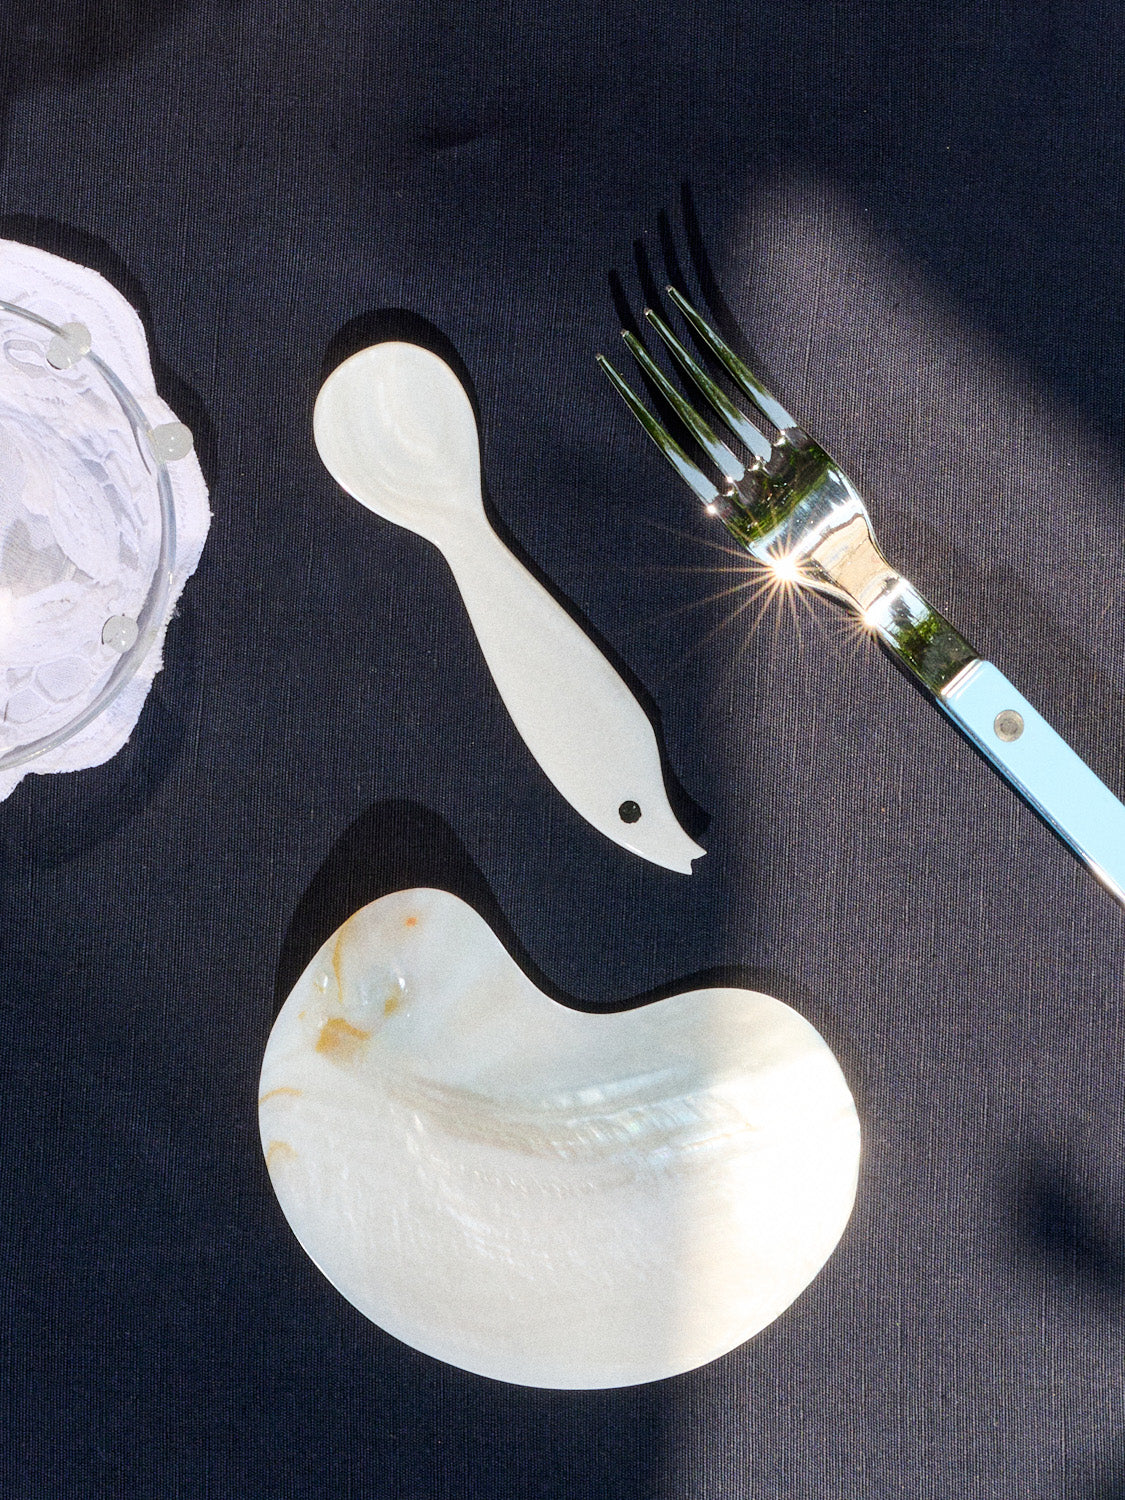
(1008, 725)
(629, 812)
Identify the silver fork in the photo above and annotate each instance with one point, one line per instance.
(796, 511)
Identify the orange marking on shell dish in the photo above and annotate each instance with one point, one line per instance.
(340, 1040)
(277, 1152)
(337, 955)
(284, 1089)
(410, 922)
(391, 1003)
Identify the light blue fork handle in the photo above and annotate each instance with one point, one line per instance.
(1039, 763)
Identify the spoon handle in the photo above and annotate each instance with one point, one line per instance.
(577, 717)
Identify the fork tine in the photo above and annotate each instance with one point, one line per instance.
(718, 452)
(667, 444)
(756, 441)
(738, 372)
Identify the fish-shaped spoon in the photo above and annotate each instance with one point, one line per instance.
(395, 428)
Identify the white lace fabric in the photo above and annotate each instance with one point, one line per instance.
(80, 522)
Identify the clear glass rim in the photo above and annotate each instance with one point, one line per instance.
(150, 617)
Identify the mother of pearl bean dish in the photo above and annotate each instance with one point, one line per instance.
(537, 1194)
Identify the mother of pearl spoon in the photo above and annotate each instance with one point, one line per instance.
(536, 1194)
(395, 428)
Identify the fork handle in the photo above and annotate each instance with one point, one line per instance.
(1039, 763)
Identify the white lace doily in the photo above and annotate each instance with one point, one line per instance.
(103, 516)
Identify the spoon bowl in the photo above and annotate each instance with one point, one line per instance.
(395, 429)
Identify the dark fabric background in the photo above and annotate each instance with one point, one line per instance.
(914, 217)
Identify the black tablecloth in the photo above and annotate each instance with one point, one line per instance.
(913, 218)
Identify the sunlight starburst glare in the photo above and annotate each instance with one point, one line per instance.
(785, 569)
(747, 589)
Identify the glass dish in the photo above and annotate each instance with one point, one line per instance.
(87, 535)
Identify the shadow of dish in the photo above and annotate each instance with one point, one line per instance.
(399, 845)
(395, 845)
(382, 325)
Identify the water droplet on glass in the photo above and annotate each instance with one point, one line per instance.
(171, 440)
(68, 346)
(78, 335)
(120, 632)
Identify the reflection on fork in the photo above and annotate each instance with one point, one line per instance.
(796, 511)
(789, 504)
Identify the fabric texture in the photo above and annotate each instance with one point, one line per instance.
(911, 219)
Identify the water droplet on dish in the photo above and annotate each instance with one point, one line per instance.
(68, 346)
(120, 633)
(78, 336)
(171, 440)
